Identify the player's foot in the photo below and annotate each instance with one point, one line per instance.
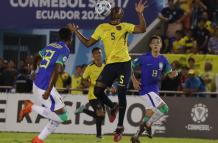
(148, 132)
(80, 110)
(99, 139)
(37, 140)
(118, 134)
(26, 110)
(114, 112)
(134, 139)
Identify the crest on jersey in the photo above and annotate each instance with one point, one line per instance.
(118, 27)
(161, 66)
(64, 59)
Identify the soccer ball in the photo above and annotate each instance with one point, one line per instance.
(103, 8)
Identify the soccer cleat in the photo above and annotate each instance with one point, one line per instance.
(37, 140)
(118, 134)
(134, 139)
(80, 110)
(26, 110)
(148, 132)
(114, 112)
(99, 139)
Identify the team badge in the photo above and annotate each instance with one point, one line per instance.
(64, 59)
(160, 66)
(118, 27)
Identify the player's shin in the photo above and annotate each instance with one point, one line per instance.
(47, 113)
(158, 113)
(142, 127)
(49, 128)
(122, 104)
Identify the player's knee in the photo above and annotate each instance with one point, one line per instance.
(164, 109)
(100, 112)
(149, 112)
(98, 91)
(64, 117)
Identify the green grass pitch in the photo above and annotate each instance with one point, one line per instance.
(68, 138)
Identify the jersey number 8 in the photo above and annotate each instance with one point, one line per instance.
(154, 73)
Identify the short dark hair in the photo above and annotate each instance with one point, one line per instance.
(78, 66)
(180, 32)
(155, 37)
(95, 49)
(191, 59)
(83, 65)
(65, 34)
(116, 10)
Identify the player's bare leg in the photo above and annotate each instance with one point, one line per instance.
(151, 116)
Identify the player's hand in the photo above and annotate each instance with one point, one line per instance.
(140, 6)
(173, 74)
(72, 27)
(113, 90)
(46, 95)
(33, 75)
(137, 85)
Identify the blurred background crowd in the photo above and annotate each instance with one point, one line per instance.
(190, 26)
(190, 79)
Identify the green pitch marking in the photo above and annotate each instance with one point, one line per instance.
(68, 138)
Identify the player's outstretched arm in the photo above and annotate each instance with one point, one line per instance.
(136, 83)
(87, 42)
(53, 80)
(36, 60)
(140, 7)
(173, 74)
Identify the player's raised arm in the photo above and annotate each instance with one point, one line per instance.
(140, 7)
(87, 42)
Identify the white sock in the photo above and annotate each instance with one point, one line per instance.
(49, 128)
(156, 116)
(47, 113)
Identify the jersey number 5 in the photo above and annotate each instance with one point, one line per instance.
(47, 58)
(113, 36)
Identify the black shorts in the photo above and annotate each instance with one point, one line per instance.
(116, 71)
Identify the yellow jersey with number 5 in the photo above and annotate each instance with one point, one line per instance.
(115, 40)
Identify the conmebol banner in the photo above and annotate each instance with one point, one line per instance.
(55, 13)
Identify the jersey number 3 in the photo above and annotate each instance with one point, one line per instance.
(47, 58)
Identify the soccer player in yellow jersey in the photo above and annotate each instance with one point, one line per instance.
(91, 74)
(114, 35)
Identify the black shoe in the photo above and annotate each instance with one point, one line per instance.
(134, 139)
(118, 134)
(148, 132)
